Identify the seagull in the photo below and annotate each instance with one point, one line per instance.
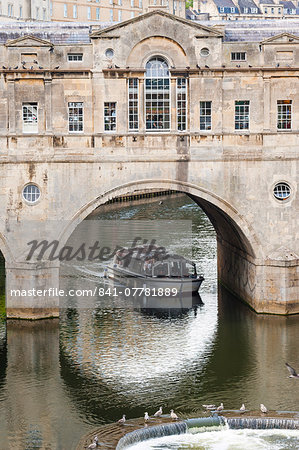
(35, 62)
(57, 67)
(160, 202)
(263, 408)
(242, 409)
(40, 67)
(23, 67)
(277, 65)
(223, 65)
(159, 412)
(96, 439)
(220, 407)
(292, 371)
(249, 65)
(31, 67)
(116, 67)
(51, 49)
(23, 63)
(173, 415)
(207, 67)
(122, 420)
(15, 68)
(146, 417)
(198, 66)
(209, 406)
(3, 67)
(188, 67)
(238, 65)
(93, 445)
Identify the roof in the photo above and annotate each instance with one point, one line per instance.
(287, 4)
(248, 4)
(225, 4)
(267, 2)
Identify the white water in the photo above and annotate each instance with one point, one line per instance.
(226, 440)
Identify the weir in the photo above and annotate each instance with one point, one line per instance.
(202, 424)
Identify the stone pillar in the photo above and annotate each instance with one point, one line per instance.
(11, 106)
(48, 104)
(267, 104)
(268, 286)
(32, 290)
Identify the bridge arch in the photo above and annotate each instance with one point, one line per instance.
(231, 227)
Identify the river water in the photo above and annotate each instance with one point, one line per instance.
(59, 379)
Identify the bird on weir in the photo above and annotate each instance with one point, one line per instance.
(173, 415)
(209, 406)
(159, 412)
(122, 420)
(242, 409)
(263, 408)
(220, 407)
(293, 373)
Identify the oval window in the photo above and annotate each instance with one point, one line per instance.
(31, 193)
(204, 51)
(282, 191)
(109, 53)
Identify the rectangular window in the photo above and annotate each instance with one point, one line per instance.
(266, 10)
(75, 56)
(65, 10)
(120, 2)
(221, 9)
(254, 10)
(272, 10)
(75, 16)
(132, 14)
(97, 13)
(119, 15)
(37, 12)
(132, 4)
(205, 115)
(44, 14)
(21, 11)
(30, 122)
(245, 10)
(242, 115)
(181, 100)
(284, 114)
(238, 56)
(51, 9)
(88, 12)
(110, 116)
(133, 104)
(75, 116)
(111, 15)
(140, 3)
(232, 10)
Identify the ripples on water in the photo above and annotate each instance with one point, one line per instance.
(59, 381)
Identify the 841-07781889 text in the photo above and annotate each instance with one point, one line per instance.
(138, 292)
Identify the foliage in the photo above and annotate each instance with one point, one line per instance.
(189, 4)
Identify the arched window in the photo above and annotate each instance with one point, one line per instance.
(157, 94)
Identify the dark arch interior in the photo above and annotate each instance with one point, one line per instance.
(2, 286)
(227, 230)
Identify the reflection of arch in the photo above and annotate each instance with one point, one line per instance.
(157, 45)
(230, 225)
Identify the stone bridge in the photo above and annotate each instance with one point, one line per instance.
(245, 179)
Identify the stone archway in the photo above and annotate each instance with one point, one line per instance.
(239, 250)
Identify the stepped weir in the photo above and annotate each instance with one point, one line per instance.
(194, 425)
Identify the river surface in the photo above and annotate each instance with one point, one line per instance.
(108, 356)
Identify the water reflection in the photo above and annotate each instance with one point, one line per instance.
(58, 380)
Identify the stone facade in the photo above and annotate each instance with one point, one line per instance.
(230, 169)
(11, 10)
(110, 10)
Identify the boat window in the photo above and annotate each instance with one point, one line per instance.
(175, 269)
(160, 269)
(188, 269)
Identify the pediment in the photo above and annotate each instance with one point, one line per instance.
(282, 38)
(28, 41)
(115, 31)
